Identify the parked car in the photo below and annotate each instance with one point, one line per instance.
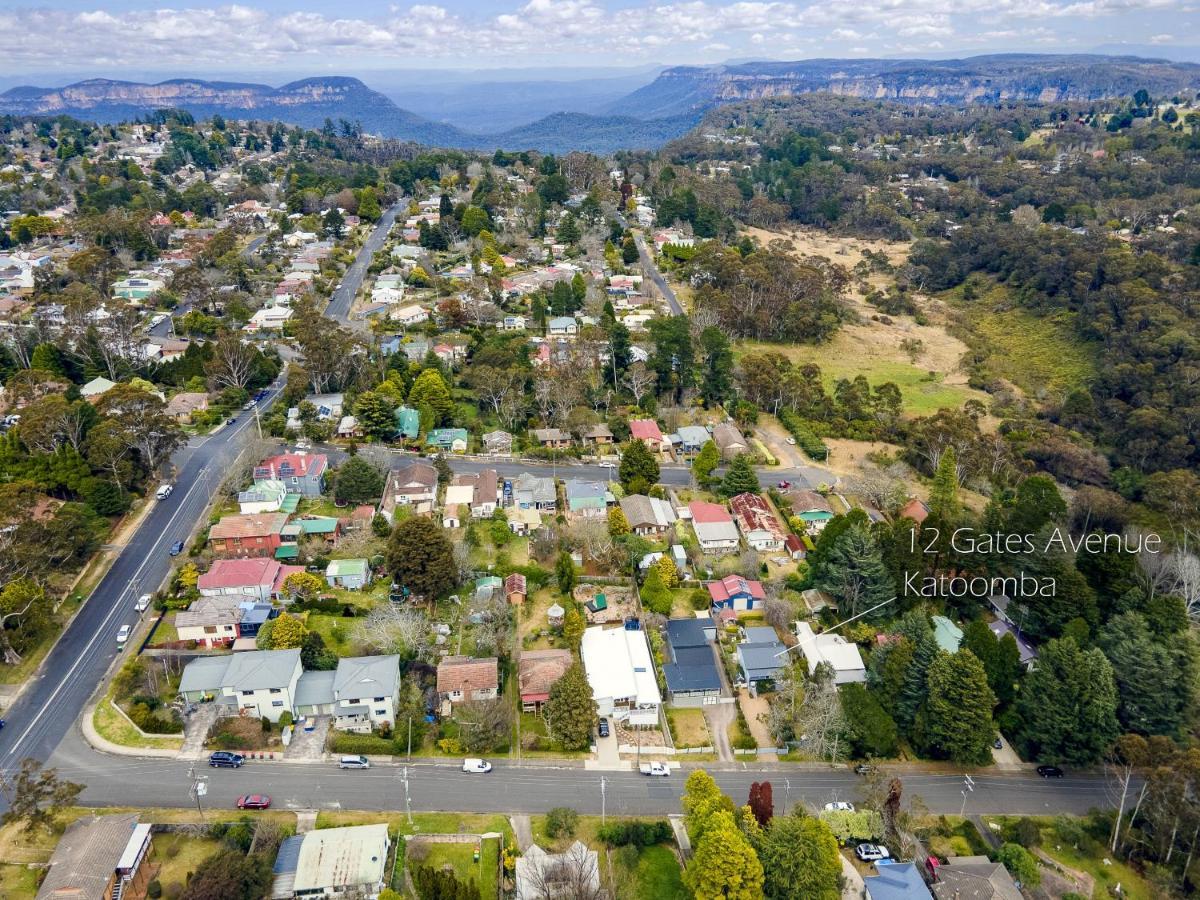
(164, 492)
(839, 806)
(864, 769)
(603, 728)
(123, 636)
(143, 603)
(354, 762)
(784, 485)
(254, 801)
(656, 768)
(792, 441)
(476, 766)
(1050, 771)
(176, 548)
(998, 744)
(225, 759)
(871, 852)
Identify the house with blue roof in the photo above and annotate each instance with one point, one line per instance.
(947, 635)
(896, 881)
(586, 498)
(691, 671)
(760, 656)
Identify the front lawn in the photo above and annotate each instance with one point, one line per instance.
(689, 728)
(180, 855)
(654, 873)
(18, 882)
(112, 726)
(460, 857)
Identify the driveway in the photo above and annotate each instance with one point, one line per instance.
(308, 744)
(755, 711)
(607, 756)
(196, 728)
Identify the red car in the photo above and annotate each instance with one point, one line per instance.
(254, 801)
(784, 485)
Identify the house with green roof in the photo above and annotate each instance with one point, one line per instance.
(326, 527)
(452, 439)
(408, 423)
(352, 574)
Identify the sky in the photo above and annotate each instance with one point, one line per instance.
(115, 38)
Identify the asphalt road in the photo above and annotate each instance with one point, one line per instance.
(656, 276)
(352, 279)
(515, 789)
(54, 700)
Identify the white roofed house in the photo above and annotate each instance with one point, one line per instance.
(833, 649)
(620, 671)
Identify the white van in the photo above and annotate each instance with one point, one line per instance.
(164, 492)
(354, 762)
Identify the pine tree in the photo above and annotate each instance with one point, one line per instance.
(429, 390)
(655, 595)
(943, 497)
(853, 571)
(800, 859)
(705, 462)
(915, 689)
(564, 571)
(618, 524)
(740, 479)
(420, 557)
(724, 866)
(1068, 704)
(960, 704)
(573, 627)
(571, 710)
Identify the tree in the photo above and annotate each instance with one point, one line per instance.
(1156, 680)
(1037, 504)
(357, 482)
(1021, 864)
(36, 796)
(571, 710)
(943, 496)
(701, 797)
(800, 858)
(474, 220)
(564, 572)
(573, 627)
(234, 363)
(853, 571)
(389, 628)
(429, 390)
(762, 807)
(288, 632)
(724, 865)
(740, 478)
(1068, 705)
(639, 469)
(960, 703)
(376, 414)
(870, 729)
(656, 596)
(618, 524)
(420, 557)
(230, 874)
(668, 570)
(315, 656)
(716, 380)
(705, 462)
(914, 686)
(305, 585)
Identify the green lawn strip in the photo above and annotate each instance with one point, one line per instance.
(336, 631)
(113, 726)
(689, 728)
(179, 855)
(18, 882)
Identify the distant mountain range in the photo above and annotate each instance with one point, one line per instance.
(651, 115)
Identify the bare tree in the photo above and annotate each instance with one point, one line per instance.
(570, 875)
(639, 379)
(820, 718)
(389, 628)
(233, 363)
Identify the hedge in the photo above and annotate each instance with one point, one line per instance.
(806, 438)
(364, 744)
(639, 834)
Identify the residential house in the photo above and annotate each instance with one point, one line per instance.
(536, 492)
(736, 593)
(841, 655)
(258, 683)
(211, 621)
(562, 326)
(408, 423)
(183, 407)
(452, 439)
(586, 499)
(512, 323)
(811, 508)
(366, 692)
(486, 495)
(757, 522)
(100, 858)
(974, 878)
(348, 428)
(270, 318)
(258, 577)
(596, 435)
(537, 671)
(351, 574)
(896, 881)
(416, 350)
(573, 873)
(463, 678)
(325, 528)
(498, 443)
(648, 515)
(691, 674)
(714, 527)
(457, 504)
(414, 485)
(96, 388)
(515, 588)
(1027, 653)
(329, 407)
(254, 535)
(301, 473)
(691, 438)
(761, 655)
(410, 315)
(267, 496)
(648, 432)
(524, 520)
(621, 674)
(729, 440)
(138, 286)
(554, 438)
(915, 509)
(334, 862)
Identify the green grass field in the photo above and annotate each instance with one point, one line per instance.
(657, 874)
(1039, 354)
(18, 882)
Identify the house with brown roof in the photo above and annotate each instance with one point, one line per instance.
(253, 535)
(554, 438)
(596, 435)
(648, 432)
(647, 515)
(463, 678)
(414, 486)
(484, 489)
(811, 508)
(757, 522)
(182, 407)
(915, 509)
(973, 878)
(98, 858)
(537, 671)
(515, 588)
(729, 440)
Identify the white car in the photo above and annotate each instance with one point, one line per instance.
(839, 806)
(607, 464)
(164, 492)
(123, 635)
(143, 603)
(792, 441)
(871, 852)
(476, 766)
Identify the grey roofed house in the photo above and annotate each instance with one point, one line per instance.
(85, 861)
(261, 670)
(551, 436)
(204, 675)
(417, 350)
(759, 655)
(692, 437)
(315, 689)
(647, 513)
(729, 440)
(367, 676)
(537, 491)
(974, 878)
(574, 872)
(223, 610)
(498, 442)
(693, 670)
(690, 632)
(349, 861)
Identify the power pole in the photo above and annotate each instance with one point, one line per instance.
(603, 800)
(787, 794)
(198, 787)
(407, 797)
(409, 759)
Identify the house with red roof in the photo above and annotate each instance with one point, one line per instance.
(736, 593)
(301, 473)
(648, 432)
(254, 535)
(757, 522)
(258, 577)
(714, 527)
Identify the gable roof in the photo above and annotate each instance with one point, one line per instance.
(221, 610)
(688, 632)
(260, 669)
(244, 526)
(735, 586)
(367, 676)
(301, 465)
(538, 670)
(709, 513)
(236, 573)
(645, 430)
(421, 475)
(693, 669)
(463, 673)
(86, 857)
(896, 881)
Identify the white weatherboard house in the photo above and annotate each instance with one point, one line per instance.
(840, 654)
(621, 674)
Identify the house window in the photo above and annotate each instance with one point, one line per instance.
(381, 712)
(210, 629)
(247, 693)
(277, 703)
(276, 690)
(380, 699)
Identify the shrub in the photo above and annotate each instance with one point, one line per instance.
(561, 822)
(852, 827)
(806, 438)
(154, 890)
(285, 719)
(636, 833)
(1026, 833)
(360, 744)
